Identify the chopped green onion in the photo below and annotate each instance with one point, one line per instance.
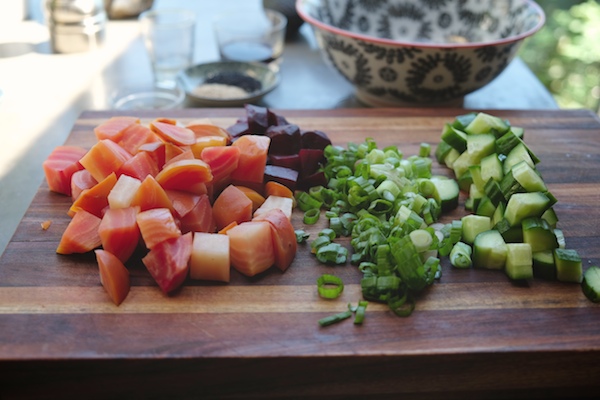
(460, 256)
(301, 235)
(360, 312)
(306, 202)
(330, 233)
(330, 286)
(333, 319)
(333, 253)
(402, 306)
(424, 150)
(319, 242)
(311, 216)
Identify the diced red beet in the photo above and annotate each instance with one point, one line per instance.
(276, 119)
(316, 179)
(310, 161)
(258, 119)
(283, 175)
(290, 161)
(285, 139)
(238, 129)
(315, 140)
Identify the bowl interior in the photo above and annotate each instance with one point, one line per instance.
(254, 79)
(445, 22)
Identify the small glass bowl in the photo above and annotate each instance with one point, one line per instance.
(154, 98)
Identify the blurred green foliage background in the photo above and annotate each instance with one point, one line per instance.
(565, 53)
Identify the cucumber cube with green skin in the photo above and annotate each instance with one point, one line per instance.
(473, 225)
(463, 162)
(498, 213)
(591, 284)
(489, 250)
(528, 177)
(491, 167)
(446, 193)
(486, 207)
(475, 196)
(543, 265)
(539, 234)
(475, 171)
(451, 157)
(519, 263)
(518, 154)
(462, 121)
(486, 123)
(441, 151)
(568, 265)
(518, 131)
(480, 146)
(455, 138)
(550, 216)
(465, 180)
(524, 205)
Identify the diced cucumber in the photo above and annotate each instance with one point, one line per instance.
(568, 265)
(480, 146)
(523, 205)
(498, 213)
(517, 154)
(469, 204)
(475, 196)
(475, 171)
(486, 207)
(493, 191)
(510, 186)
(528, 177)
(518, 131)
(560, 238)
(455, 138)
(539, 234)
(491, 167)
(489, 250)
(519, 263)
(591, 284)
(473, 225)
(486, 123)
(462, 163)
(543, 265)
(507, 142)
(550, 216)
(465, 180)
(451, 157)
(446, 193)
(510, 234)
(441, 151)
(462, 121)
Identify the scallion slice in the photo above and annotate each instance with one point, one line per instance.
(330, 286)
(311, 216)
(333, 319)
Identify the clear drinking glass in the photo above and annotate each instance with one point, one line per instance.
(169, 38)
(243, 37)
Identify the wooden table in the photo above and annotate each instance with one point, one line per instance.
(474, 334)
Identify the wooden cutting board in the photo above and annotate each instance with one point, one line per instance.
(473, 333)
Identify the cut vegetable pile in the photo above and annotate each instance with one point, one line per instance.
(389, 205)
(195, 198)
(200, 199)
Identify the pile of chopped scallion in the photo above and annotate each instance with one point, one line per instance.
(387, 204)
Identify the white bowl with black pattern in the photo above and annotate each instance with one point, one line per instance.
(420, 52)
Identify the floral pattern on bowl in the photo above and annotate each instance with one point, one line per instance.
(419, 51)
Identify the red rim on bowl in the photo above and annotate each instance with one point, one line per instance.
(321, 25)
